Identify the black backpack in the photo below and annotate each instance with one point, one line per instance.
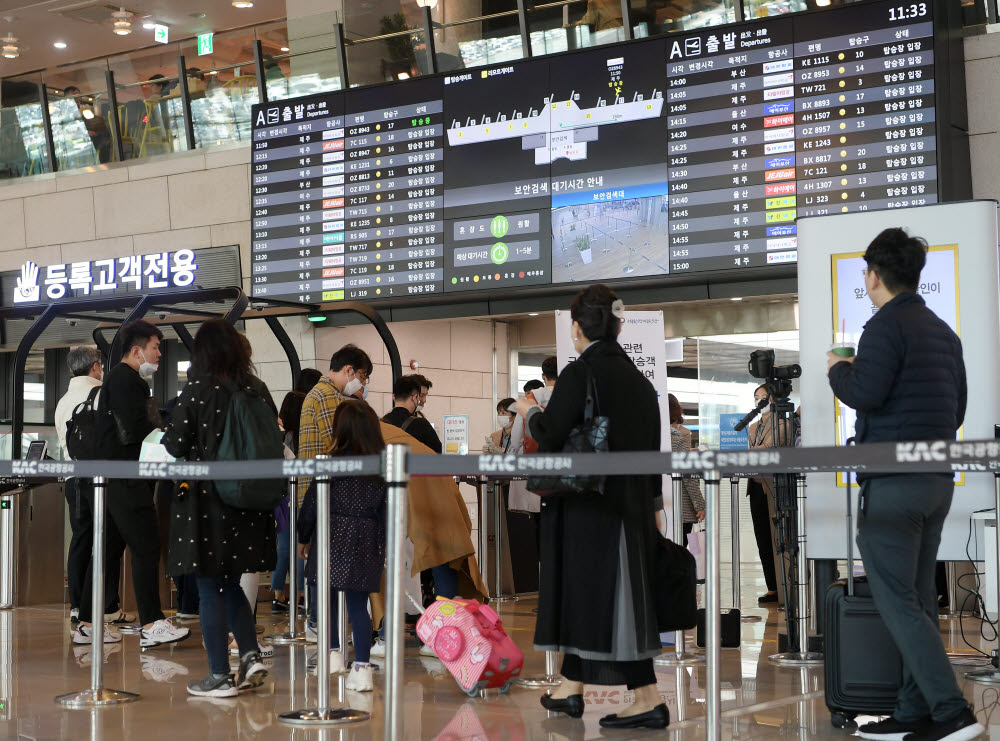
(251, 433)
(82, 429)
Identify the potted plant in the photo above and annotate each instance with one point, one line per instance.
(583, 244)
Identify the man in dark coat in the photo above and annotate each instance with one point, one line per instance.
(907, 382)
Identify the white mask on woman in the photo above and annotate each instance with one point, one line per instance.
(503, 421)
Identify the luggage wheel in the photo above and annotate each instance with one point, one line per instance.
(840, 719)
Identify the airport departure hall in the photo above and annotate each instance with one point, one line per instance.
(499, 370)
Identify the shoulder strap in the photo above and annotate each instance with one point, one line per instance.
(88, 402)
(592, 406)
(409, 421)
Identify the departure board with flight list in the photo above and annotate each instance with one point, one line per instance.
(685, 154)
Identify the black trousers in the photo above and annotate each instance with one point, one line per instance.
(632, 674)
(763, 531)
(130, 509)
(80, 498)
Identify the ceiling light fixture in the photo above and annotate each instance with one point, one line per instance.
(122, 22)
(427, 4)
(149, 25)
(242, 4)
(9, 48)
(59, 44)
(284, 48)
(403, 76)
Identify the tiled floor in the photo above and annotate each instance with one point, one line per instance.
(38, 662)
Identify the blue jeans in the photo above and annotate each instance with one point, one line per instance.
(445, 585)
(357, 614)
(224, 605)
(280, 574)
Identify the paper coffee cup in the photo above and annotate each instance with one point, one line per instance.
(843, 349)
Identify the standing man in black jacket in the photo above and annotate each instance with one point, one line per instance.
(907, 382)
(406, 398)
(126, 417)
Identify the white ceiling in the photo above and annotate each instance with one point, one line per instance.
(38, 24)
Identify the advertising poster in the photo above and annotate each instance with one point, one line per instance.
(456, 434)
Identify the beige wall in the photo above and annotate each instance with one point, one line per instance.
(982, 72)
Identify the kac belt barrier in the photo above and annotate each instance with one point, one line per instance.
(941, 456)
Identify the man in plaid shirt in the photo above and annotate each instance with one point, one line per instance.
(350, 368)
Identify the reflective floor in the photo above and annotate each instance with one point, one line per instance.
(760, 700)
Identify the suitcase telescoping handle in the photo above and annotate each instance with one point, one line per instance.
(850, 532)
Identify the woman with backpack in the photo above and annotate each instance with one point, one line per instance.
(214, 541)
(357, 537)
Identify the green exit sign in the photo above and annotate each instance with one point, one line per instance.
(4, 504)
(205, 44)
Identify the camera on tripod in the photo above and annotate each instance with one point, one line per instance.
(762, 365)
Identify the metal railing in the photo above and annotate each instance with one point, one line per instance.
(396, 466)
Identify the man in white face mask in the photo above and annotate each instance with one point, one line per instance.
(124, 409)
(347, 377)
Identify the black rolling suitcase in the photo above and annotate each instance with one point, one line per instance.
(864, 670)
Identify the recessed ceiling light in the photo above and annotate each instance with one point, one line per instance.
(403, 76)
(149, 25)
(736, 298)
(284, 48)
(242, 4)
(533, 313)
(59, 44)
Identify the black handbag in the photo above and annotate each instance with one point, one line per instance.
(589, 437)
(675, 587)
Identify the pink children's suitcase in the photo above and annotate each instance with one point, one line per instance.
(469, 638)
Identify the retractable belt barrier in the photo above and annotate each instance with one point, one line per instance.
(908, 457)
(397, 465)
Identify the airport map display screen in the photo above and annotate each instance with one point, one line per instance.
(682, 154)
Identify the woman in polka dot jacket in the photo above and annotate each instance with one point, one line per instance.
(357, 536)
(208, 538)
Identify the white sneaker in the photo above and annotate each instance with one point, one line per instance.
(162, 632)
(378, 648)
(426, 650)
(311, 636)
(263, 649)
(83, 634)
(74, 615)
(337, 665)
(360, 679)
(186, 616)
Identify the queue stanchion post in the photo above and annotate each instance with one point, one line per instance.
(549, 679)
(992, 674)
(292, 636)
(713, 617)
(802, 657)
(322, 714)
(97, 695)
(397, 478)
(734, 498)
(342, 622)
(679, 657)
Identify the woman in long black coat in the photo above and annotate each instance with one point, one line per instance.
(595, 596)
(208, 538)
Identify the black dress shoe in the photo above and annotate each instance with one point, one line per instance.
(572, 705)
(658, 717)
(766, 598)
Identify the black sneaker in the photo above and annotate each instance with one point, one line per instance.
(252, 672)
(890, 729)
(214, 685)
(963, 728)
(767, 598)
(278, 607)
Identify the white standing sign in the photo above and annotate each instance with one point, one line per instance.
(456, 434)
(642, 338)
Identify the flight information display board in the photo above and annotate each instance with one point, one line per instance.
(684, 154)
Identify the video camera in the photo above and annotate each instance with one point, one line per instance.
(762, 365)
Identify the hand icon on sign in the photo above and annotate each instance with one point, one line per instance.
(27, 284)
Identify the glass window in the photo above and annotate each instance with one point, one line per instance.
(578, 24)
(399, 57)
(22, 133)
(304, 73)
(485, 33)
(149, 105)
(664, 16)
